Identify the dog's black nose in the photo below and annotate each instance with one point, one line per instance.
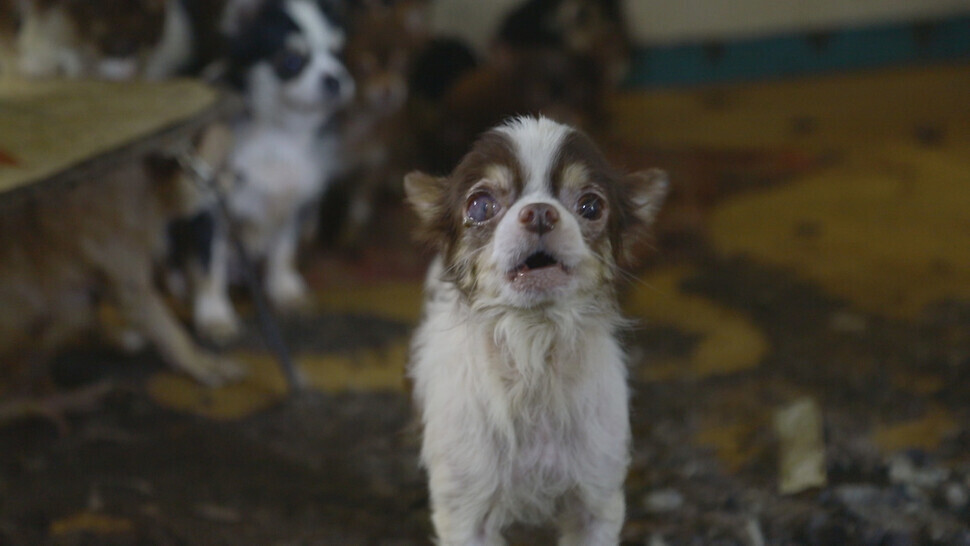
(331, 84)
(539, 218)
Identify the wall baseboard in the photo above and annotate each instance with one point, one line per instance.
(802, 54)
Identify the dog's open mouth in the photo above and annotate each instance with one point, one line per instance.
(540, 271)
(538, 260)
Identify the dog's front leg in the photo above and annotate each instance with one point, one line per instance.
(462, 511)
(593, 523)
(212, 311)
(285, 286)
(457, 527)
(146, 310)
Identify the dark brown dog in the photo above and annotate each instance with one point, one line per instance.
(594, 29)
(545, 81)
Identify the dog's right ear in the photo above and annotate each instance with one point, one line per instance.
(425, 193)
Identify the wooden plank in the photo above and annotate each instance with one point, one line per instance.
(55, 132)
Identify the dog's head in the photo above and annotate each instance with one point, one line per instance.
(590, 28)
(285, 57)
(379, 52)
(114, 37)
(534, 215)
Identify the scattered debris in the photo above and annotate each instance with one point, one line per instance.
(912, 468)
(663, 500)
(956, 496)
(847, 322)
(802, 460)
(217, 513)
(753, 529)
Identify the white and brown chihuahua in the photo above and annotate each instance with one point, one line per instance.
(517, 371)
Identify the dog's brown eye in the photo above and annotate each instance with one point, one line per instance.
(590, 206)
(481, 207)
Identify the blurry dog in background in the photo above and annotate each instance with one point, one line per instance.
(109, 39)
(541, 81)
(115, 39)
(557, 58)
(518, 375)
(593, 29)
(384, 38)
(66, 253)
(284, 59)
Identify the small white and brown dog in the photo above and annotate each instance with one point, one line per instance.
(517, 371)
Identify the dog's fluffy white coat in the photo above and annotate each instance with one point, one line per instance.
(525, 419)
(523, 397)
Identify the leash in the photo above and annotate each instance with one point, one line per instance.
(204, 176)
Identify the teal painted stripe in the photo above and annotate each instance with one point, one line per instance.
(791, 55)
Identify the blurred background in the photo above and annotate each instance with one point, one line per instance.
(800, 360)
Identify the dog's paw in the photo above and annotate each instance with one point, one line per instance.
(214, 370)
(287, 292)
(216, 320)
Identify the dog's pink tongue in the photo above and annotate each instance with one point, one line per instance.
(539, 280)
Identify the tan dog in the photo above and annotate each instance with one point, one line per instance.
(67, 251)
(378, 139)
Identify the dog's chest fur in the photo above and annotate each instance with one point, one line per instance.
(280, 171)
(535, 396)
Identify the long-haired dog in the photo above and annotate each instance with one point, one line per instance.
(109, 39)
(594, 29)
(547, 82)
(517, 371)
(67, 252)
(284, 58)
(378, 137)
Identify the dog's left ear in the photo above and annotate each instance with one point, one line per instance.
(649, 189)
(425, 194)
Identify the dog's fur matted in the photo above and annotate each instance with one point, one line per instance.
(518, 375)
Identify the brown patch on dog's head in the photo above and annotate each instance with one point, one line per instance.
(461, 213)
(634, 199)
(437, 200)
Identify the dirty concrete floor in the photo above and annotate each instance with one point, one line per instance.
(817, 247)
